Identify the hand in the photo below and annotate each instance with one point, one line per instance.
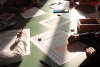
(90, 51)
(22, 10)
(21, 34)
(73, 38)
(28, 6)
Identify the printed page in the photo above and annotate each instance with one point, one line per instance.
(54, 44)
(54, 22)
(33, 12)
(7, 39)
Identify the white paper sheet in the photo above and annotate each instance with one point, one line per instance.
(33, 12)
(69, 27)
(7, 39)
(54, 44)
(54, 22)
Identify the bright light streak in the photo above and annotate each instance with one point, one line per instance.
(75, 15)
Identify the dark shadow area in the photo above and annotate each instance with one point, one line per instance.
(13, 46)
(15, 64)
(76, 47)
(85, 9)
(1, 9)
(20, 20)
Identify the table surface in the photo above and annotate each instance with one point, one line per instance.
(32, 60)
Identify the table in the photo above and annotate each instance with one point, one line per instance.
(32, 60)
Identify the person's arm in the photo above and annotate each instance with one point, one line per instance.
(9, 7)
(94, 3)
(81, 37)
(16, 54)
(33, 2)
(91, 3)
(87, 37)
